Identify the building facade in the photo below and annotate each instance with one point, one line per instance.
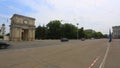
(22, 28)
(116, 32)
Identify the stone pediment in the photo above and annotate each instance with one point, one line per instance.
(22, 20)
(22, 16)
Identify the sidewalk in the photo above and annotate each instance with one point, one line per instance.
(113, 58)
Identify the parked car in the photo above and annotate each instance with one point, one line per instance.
(64, 39)
(4, 45)
(82, 39)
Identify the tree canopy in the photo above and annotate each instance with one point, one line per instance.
(69, 31)
(56, 30)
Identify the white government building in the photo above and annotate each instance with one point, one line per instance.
(116, 32)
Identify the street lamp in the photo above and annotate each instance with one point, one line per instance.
(77, 31)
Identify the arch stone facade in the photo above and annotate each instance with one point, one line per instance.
(22, 28)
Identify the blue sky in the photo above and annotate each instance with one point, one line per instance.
(99, 15)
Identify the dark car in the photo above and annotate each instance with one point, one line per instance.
(82, 39)
(4, 45)
(64, 39)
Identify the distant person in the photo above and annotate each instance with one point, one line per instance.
(110, 36)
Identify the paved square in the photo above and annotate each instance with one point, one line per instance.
(56, 54)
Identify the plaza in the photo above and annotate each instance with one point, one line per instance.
(56, 54)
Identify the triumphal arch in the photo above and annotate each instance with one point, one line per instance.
(22, 28)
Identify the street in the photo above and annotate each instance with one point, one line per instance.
(56, 54)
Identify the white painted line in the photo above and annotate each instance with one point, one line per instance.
(104, 59)
(93, 62)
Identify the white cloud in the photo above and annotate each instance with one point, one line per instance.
(96, 14)
(75, 3)
(14, 8)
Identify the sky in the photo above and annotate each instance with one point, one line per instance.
(99, 15)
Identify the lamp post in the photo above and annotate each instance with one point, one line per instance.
(62, 33)
(77, 31)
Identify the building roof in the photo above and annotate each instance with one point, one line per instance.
(22, 16)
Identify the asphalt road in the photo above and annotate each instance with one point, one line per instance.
(56, 54)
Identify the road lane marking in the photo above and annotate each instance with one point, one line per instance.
(104, 59)
(93, 62)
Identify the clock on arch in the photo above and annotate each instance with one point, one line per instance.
(25, 22)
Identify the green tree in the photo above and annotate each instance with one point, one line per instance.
(105, 36)
(98, 35)
(81, 33)
(54, 29)
(41, 32)
(69, 31)
(37, 32)
(93, 34)
(44, 32)
(89, 33)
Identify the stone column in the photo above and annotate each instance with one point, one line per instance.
(29, 35)
(33, 34)
(20, 34)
